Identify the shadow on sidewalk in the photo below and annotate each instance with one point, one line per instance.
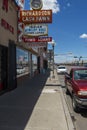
(17, 106)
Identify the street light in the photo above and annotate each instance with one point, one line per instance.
(53, 44)
(78, 58)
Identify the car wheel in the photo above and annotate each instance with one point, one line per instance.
(74, 105)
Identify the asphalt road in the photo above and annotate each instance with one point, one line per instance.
(79, 119)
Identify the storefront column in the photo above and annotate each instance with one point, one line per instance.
(12, 81)
(31, 72)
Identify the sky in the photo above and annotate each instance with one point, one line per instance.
(68, 28)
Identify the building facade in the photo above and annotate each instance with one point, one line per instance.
(8, 48)
(8, 38)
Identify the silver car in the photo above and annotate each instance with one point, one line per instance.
(61, 69)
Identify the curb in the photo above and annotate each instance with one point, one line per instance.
(69, 121)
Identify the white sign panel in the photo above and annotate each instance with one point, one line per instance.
(36, 30)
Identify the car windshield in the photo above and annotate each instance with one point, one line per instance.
(62, 67)
(80, 74)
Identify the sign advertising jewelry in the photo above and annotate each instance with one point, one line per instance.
(36, 30)
(35, 16)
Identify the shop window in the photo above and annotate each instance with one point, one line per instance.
(22, 60)
(34, 63)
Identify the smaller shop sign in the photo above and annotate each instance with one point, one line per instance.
(36, 30)
(35, 16)
(37, 39)
(35, 44)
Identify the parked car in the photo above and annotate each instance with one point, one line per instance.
(61, 69)
(76, 85)
(20, 70)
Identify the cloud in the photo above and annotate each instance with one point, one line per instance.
(83, 36)
(68, 4)
(51, 4)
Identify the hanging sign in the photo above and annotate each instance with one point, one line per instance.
(37, 39)
(35, 44)
(35, 16)
(36, 30)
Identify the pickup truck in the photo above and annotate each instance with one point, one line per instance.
(76, 86)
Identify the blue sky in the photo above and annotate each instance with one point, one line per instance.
(68, 28)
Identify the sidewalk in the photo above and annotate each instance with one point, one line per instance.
(36, 104)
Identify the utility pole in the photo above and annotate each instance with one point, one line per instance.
(53, 43)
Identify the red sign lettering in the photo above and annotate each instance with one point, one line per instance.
(7, 26)
(5, 5)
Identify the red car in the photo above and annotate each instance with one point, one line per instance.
(76, 85)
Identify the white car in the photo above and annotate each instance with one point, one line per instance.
(61, 69)
(20, 70)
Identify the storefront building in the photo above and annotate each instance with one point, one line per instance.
(8, 38)
(30, 61)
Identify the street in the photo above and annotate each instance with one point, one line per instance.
(79, 119)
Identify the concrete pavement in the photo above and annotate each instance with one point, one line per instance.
(36, 104)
